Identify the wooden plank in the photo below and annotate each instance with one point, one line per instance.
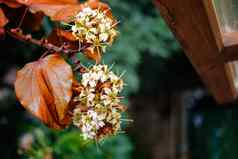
(189, 21)
(230, 50)
(213, 20)
(228, 40)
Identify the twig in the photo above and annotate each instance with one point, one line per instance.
(17, 34)
(23, 17)
(44, 54)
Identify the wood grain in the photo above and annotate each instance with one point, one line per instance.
(190, 21)
(230, 50)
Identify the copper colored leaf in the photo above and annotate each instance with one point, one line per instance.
(48, 9)
(54, 2)
(58, 12)
(59, 77)
(3, 19)
(31, 22)
(93, 54)
(58, 37)
(66, 13)
(11, 3)
(3, 22)
(52, 7)
(2, 32)
(44, 88)
(66, 34)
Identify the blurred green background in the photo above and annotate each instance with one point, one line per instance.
(174, 117)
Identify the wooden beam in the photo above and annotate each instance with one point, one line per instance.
(189, 20)
(214, 23)
(230, 50)
(227, 42)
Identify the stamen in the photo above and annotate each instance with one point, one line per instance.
(115, 24)
(106, 11)
(127, 120)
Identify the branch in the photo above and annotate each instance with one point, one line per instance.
(17, 34)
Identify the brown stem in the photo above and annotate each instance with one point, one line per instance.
(17, 34)
(44, 54)
(23, 17)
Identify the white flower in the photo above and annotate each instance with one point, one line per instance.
(90, 37)
(92, 114)
(91, 97)
(103, 37)
(100, 15)
(74, 28)
(86, 12)
(113, 77)
(90, 123)
(93, 30)
(102, 76)
(107, 91)
(115, 90)
(89, 79)
(95, 27)
(99, 96)
(106, 99)
(85, 79)
(92, 83)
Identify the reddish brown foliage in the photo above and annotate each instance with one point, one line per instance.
(92, 54)
(11, 3)
(65, 12)
(3, 22)
(44, 88)
(30, 2)
(3, 19)
(59, 37)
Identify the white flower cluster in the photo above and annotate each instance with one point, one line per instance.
(90, 122)
(93, 26)
(97, 114)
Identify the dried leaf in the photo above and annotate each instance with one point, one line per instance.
(31, 22)
(11, 3)
(3, 22)
(2, 33)
(54, 2)
(3, 19)
(93, 53)
(57, 12)
(66, 34)
(50, 7)
(58, 37)
(65, 12)
(44, 88)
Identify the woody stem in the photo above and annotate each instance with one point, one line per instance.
(23, 17)
(17, 34)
